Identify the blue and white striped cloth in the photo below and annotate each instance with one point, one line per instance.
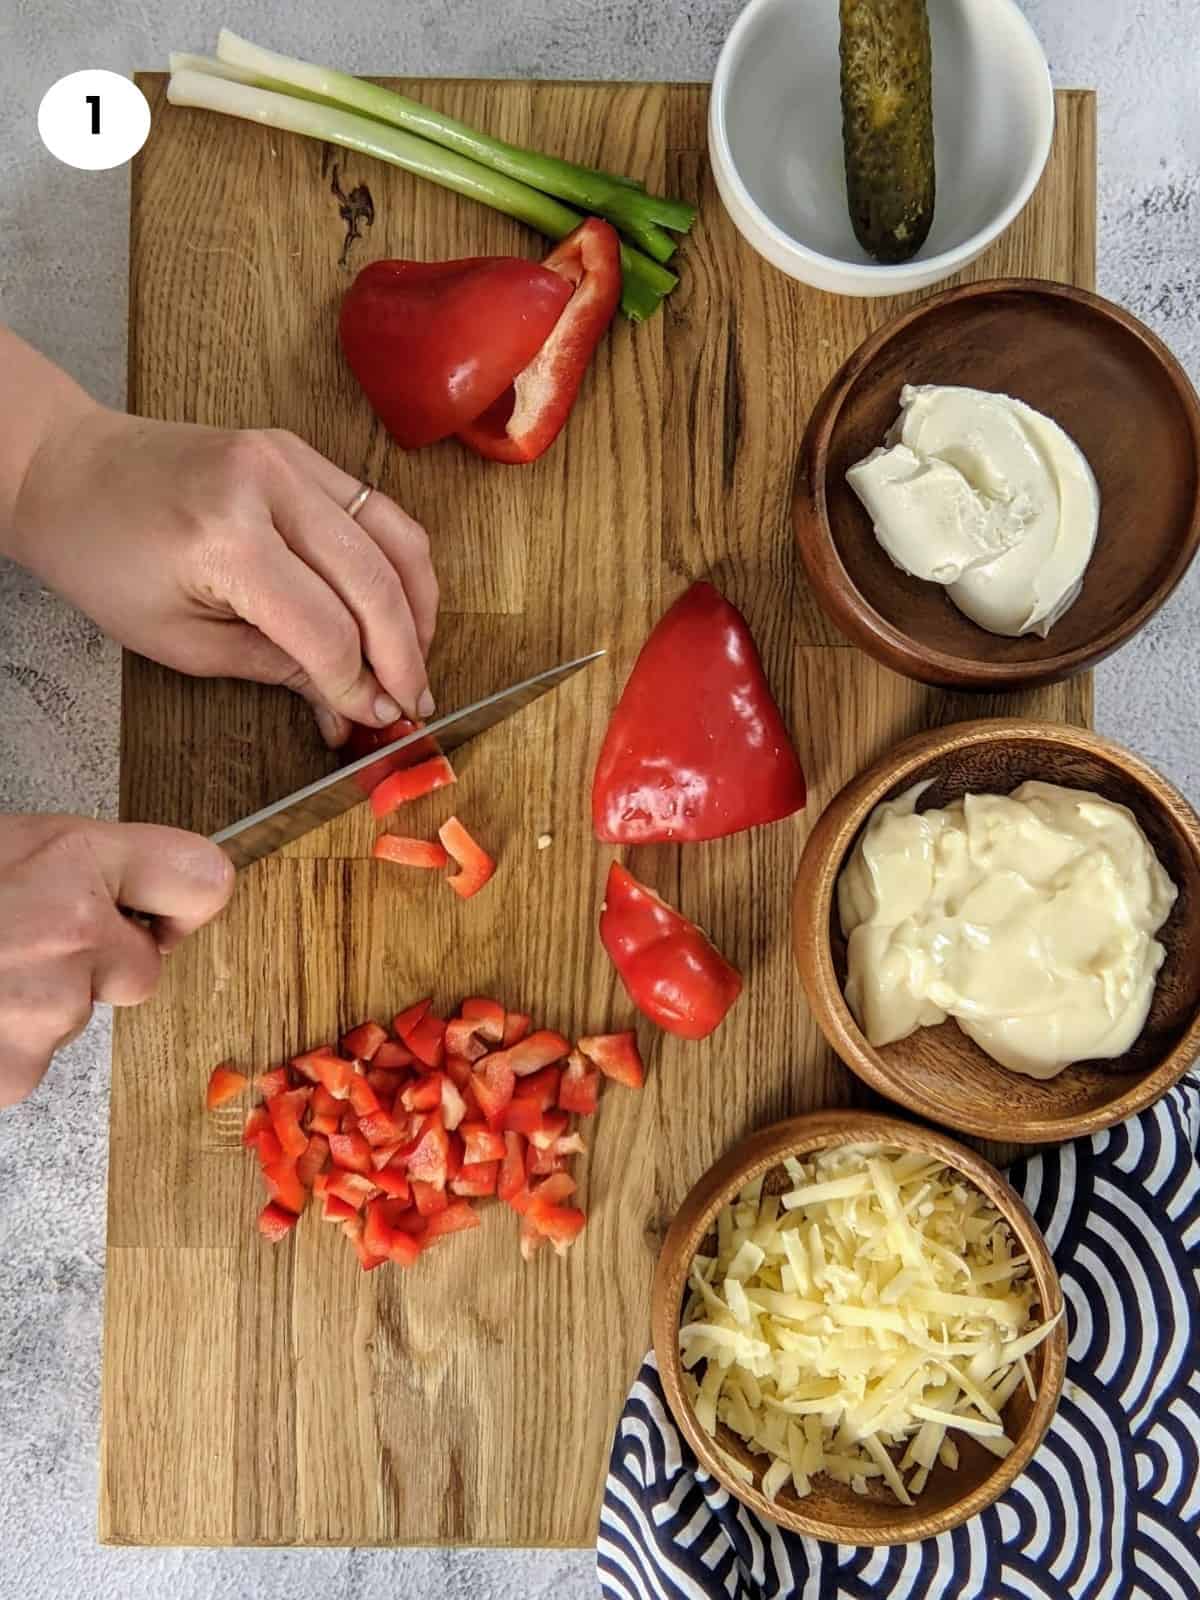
(1109, 1508)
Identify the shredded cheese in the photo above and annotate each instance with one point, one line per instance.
(849, 1326)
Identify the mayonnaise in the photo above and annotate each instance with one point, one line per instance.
(1028, 918)
(985, 495)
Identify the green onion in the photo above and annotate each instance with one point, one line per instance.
(645, 282)
(641, 217)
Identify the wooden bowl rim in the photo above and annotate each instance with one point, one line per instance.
(800, 1136)
(848, 607)
(816, 882)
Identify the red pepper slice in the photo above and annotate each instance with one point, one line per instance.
(539, 1050)
(351, 1152)
(516, 1027)
(523, 1116)
(393, 1055)
(549, 1133)
(488, 1015)
(334, 1209)
(402, 852)
(674, 975)
(433, 343)
(454, 1107)
(312, 1163)
(351, 1187)
(530, 413)
(286, 1112)
(562, 1225)
(480, 1143)
(267, 1148)
(394, 1184)
(274, 1223)
(579, 1091)
(257, 1121)
(429, 1157)
(493, 1084)
(463, 1038)
(696, 747)
(310, 1062)
(361, 1043)
(284, 1186)
(511, 1179)
(617, 1056)
(476, 1179)
(410, 784)
(558, 1187)
(459, 1214)
(364, 1102)
(541, 1088)
(269, 1084)
(423, 1033)
(355, 1232)
(476, 867)
(423, 1094)
(224, 1085)
(428, 1198)
(333, 1074)
(404, 1020)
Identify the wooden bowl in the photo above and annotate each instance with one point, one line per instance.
(938, 1072)
(1094, 369)
(833, 1511)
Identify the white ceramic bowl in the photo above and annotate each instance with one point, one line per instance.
(775, 139)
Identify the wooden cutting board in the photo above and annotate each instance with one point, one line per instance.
(259, 1395)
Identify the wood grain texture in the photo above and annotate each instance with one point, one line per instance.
(503, 1383)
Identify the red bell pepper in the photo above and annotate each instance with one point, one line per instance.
(274, 1223)
(364, 1102)
(361, 1043)
(494, 1082)
(617, 1056)
(511, 1179)
(351, 1152)
(267, 1148)
(696, 747)
(286, 1112)
(428, 1198)
(334, 1209)
(516, 1027)
(579, 1090)
(538, 1050)
(224, 1085)
(257, 1122)
(459, 1214)
(410, 1016)
(310, 1062)
(454, 1107)
(476, 1179)
(312, 1163)
(549, 1131)
(523, 1116)
(434, 343)
(464, 1038)
(284, 1186)
(269, 1084)
(481, 1143)
(333, 1074)
(674, 975)
(560, 1224)
(394, 1184)
(475, 866)
(393, 1055)
(403, 852)
(429, 1157)
(487, 1016)
(529, 414)
(423, 1033)
(356, 1233)
(351, 1187)
(410, 784)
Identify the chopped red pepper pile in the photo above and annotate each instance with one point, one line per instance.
(396, 1134)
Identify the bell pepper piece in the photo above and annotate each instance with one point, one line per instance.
(476, 1179)
(351, 1152)
(307, 1063)
(531, 1240)
(274, 1223)
(267, 1148)
(312, 1162)
(516, 1027)
(459, 1214)
(493, 1084)
(510, 1180)
(427, 1197)
(617, 1056)
(480, 1143)
(549, 1131)
(363, 1099)
(426, 1040)
(429, 1156)
(354, 1231)
(333, 1073)
(562, 1225)
(457, 1068)
(334, 1209)
(539, 1163)
(352, 1187)
(392, 1056)
(463, 1039)
(423, 1094)
(454, 1107)
(434, 343)
(383, 1237)
(570, 1144)
(696, 747)
(287, 1112)
(554, 1189)
(488, 1016)
(674, 975)
(410, 783)
(224, 1085)
(284, 1186)
(270, 1084)
(527, 418)
(454, 1157)
(579, 1090)
(361, 1043)
(402, 852)
(394, 1184)
(257, 1121)
(476, 867)
(383, 1155)
(404, 1020)
(540, 1087)
(381, 1129)
(540, 1049)
(522, 1116)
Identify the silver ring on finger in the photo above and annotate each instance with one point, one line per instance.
(361, 495)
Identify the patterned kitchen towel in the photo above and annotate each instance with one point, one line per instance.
(1109, 1508)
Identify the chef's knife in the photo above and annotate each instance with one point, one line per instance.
(264, 831)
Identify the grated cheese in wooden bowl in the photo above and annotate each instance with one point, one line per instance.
(853, 1323)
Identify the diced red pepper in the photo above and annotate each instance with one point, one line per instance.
(361, 1043)
(313, 1160)
(224, 1085)
(383, 1083)
(516, 1027)
(454, 1107)
(334, 1075)
(257, 1120)
(267, 1148)
(539, 1050)
(410, 784)
(381, 1129)
(493, 1083)
(454, 1157)
(363, 1098)
(522, 1116)
(351, 1152)
(481, 1143)
(617, 1056)
(457, 1068)
(392, 1055)
(382, 1155)
(674, 975)
(539, 1163)
(427, 1198)
(558, 1187)
(335, 1209)
(531, 1240)
(477, 1178)
(394, 1184)
(426, 1040)
(351, 1187)
(405, 852)
(428, 1158)
(540, 1087)
(562, 1225)
(274, 1223)
(528, 417)
(552, 1128)
(306, 1063)
(463, 1039)
(487, 1016)
(287, 1112)
(579, 1091)
(459, 1214)
(270, 1084)
(404, 1020)
(324, 1108)
(423, 1094)
(284, 1186)
(383, 1237)
(511, 1179)
(354, 1231)
(476, 867)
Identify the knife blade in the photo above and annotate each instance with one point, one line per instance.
(265, 831)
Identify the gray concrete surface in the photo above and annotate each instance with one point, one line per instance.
(62, 285)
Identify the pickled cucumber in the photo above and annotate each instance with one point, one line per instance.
(887, 124)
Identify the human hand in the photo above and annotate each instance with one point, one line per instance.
(230, 554)
(64, 943)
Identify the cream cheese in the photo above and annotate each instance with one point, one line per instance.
(986, 496)
(1028, 918)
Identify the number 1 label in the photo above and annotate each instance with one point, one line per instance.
(93, 119)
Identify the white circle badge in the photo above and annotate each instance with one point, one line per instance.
(94, 119)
